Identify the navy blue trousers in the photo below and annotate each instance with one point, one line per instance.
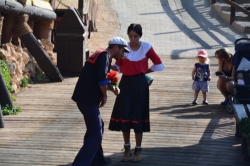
(91, 153)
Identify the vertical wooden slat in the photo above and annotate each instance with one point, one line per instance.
(80, 7)
(232, 14)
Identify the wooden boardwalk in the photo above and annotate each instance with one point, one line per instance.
(50, 129)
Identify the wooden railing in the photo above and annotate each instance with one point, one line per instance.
(234, 6)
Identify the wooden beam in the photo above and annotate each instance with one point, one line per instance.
(12, 7)
(42, 58)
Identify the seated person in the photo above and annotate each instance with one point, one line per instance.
(225, 81)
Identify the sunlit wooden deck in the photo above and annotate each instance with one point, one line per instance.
(50, 129)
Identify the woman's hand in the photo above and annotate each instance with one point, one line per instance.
(113, 89)
(116, 91)
(224, 77)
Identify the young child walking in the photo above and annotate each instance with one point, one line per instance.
(201, 76)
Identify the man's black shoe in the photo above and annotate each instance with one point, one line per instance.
(107, 161)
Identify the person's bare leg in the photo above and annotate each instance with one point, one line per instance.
(126, 137)
(138, 138)
(204, 94)
(230, 86)
(222, 87)
(196, 95)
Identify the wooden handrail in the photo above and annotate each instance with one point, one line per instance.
(234, 6)
(238, 7)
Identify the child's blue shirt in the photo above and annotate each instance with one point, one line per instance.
(201, 72)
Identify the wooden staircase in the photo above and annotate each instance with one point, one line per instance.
(241, 22)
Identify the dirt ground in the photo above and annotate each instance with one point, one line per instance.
(107, 23)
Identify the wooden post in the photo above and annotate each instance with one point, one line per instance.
(1, 118)
(232, 14)
(80, 10)
(80, 7)
(42, 29)
(235, 6)
(52, 3)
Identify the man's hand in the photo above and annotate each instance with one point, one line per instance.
(105, 96)
(103, 101)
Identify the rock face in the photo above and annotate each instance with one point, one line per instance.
(21, 63)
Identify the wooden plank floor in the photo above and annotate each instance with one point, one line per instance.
(50, 129)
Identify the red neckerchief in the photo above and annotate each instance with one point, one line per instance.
(95, 55)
